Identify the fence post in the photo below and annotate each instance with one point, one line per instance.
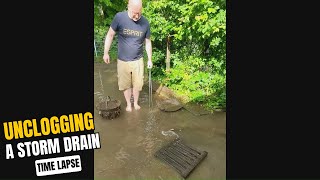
(95, 48)
(168, 54)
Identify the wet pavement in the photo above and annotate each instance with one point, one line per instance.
(128, 143)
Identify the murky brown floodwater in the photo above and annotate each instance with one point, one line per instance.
(129, 142)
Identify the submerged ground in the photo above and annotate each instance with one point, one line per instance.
(128, 143)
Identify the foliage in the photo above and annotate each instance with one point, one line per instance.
(100, 34)
(197, 32)
(104, 10)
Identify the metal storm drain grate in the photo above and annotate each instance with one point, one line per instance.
(181, 157)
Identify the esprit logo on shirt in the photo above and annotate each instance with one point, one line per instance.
(132, 32)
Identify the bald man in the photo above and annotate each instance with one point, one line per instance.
(133, 31)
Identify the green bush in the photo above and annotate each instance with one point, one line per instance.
(197, 30)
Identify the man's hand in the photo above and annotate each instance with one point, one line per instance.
(149, 64)
(106, 58)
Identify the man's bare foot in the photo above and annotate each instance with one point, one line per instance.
(137, 107)
(128, 108)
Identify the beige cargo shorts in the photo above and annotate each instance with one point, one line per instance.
(130, 74)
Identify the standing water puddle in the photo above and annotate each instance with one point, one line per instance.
(129, 142)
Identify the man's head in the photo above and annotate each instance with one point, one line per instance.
(135, 9)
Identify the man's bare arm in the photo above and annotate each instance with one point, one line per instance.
(107, 43)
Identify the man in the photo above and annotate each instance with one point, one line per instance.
(133, 30)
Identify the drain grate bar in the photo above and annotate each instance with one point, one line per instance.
(181, 157)
(171, 162)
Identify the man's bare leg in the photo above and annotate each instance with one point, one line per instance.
(127, 95)
(136, 97)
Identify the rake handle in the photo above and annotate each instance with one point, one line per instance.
(150, 89)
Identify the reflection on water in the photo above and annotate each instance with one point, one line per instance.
(144, 97)
(151, 122)
(170, 133)
(121, 155)
(149, 142)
